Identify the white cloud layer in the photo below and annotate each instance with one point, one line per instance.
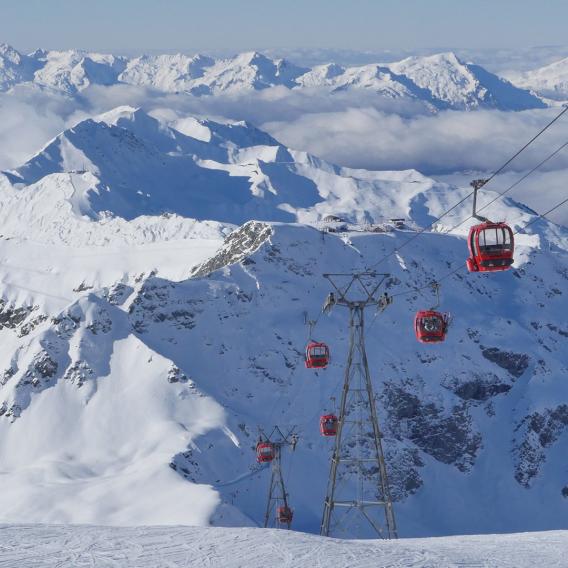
(355, 129)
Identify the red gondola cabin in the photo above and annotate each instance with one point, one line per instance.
(284, 515)
(317, 355)
(328, 425)
(264, 452)
(491, 247)
(431, 326)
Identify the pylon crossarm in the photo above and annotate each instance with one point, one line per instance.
(343, 291)
(371, 294)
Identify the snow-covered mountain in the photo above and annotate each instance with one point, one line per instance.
(463, 85)
(202, 75)
(440, 81)
(128, 163)
(550, 81)
(14, 67)
(74, 70)
(140, 351)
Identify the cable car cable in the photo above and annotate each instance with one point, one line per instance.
(495, 173)
(537, 218)
(512, 186)
(525, 146)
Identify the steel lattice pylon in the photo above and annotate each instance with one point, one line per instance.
(358, 489)
(277, 494)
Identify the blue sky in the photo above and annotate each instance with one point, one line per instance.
(126, 25)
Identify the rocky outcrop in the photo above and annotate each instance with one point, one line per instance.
(446, 434)
(476, 387)
(515, 363)
(537, 432)
(236, 248)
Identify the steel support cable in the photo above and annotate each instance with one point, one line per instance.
(537, 218)
(495, 173)
(512, 186)
(542, 131)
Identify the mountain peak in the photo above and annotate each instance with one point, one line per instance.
(251, 58)
(12, 57)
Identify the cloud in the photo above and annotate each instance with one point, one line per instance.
(355, 129)
(27, 122)
(435, 143)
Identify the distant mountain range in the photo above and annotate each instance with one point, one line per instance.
(441, 81)
(550, 81)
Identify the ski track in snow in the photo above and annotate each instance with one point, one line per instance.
(58, 546)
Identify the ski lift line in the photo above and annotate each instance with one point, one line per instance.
(420, 232)
(485, 182)
(512, 186)
(542, 131)
(537, 218)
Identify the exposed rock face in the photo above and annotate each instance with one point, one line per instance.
(477, 387)
(537, 432)
(403, 468)
(515, 363)
(237, 247)
(448, 435)
(19, 319)
(159, 301)
(78, 373)
(176, 375)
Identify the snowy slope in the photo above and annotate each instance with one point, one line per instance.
(201, 75)
(480, 432)
(73, 71)
(139, 354)
(127, 163)
(14, 67)
(379, 78)
(440, 81)
(464, 85)
(550, 81)
(148, 547)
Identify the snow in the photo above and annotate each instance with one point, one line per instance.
(463, 85)
(550, 81)
(14, 67)
(130, 164)
(49, 546)
(112, 473)
(439, 81)
(140, 353)
(73, 71)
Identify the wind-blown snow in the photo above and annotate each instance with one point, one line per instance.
(147, 547)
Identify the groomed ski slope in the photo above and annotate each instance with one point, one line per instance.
(45, 546)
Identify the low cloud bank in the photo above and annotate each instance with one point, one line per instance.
(355, 129)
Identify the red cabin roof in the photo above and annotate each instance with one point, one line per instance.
(328, 425)
(317, 355)
(430, 326)
(284, 515)
(264, 452)
(491, 247)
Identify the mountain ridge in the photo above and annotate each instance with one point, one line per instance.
(439, 81)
